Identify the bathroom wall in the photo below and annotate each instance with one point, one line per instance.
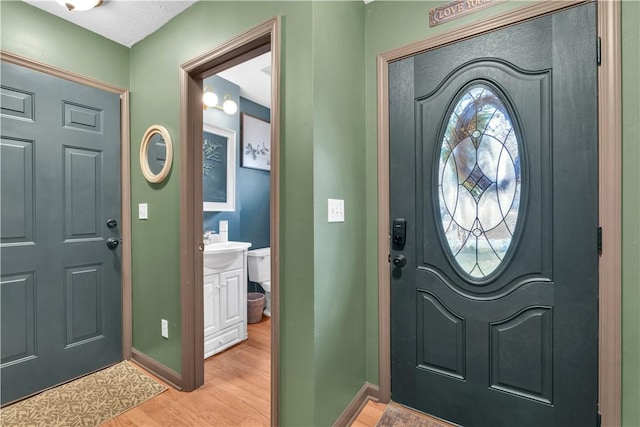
(250, 222)
(217, 117)
(253, 189)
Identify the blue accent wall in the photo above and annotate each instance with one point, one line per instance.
(250, 222)
(253, 191)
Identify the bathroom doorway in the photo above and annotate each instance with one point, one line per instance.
(197, 77)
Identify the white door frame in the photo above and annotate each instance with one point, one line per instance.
(610, 109)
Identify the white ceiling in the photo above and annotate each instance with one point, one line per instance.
(253, 77)
(123, 21)
(128, 21)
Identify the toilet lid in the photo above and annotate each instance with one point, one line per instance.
(266, 285)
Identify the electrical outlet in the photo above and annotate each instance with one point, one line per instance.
(164, 326)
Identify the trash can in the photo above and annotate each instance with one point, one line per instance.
(255, 306)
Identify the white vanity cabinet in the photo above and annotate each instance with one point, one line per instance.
(225, 296)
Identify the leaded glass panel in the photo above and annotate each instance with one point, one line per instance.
(479, 181)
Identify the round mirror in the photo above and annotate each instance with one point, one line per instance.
(156, 153)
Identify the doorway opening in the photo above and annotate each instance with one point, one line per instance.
(205, 137)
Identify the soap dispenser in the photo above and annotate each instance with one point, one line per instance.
(223, 228)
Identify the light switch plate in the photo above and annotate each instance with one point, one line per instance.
(336, 210)
(143, 211)
(164, 328)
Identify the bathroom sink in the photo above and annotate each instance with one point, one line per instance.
(223, 256)
(219, 248)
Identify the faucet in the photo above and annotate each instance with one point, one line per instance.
(210, 237)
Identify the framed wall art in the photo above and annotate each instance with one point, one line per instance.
(256, 143)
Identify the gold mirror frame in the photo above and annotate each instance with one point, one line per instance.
(144, 147)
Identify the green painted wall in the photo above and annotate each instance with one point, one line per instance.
(322, 265)
(630, 214)
(155, 87)
(328, 150)
(30, 32)
(338, 170)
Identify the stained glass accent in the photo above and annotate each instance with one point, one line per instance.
(479, 181)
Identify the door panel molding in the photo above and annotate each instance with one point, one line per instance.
(609, 84)
(125, 176)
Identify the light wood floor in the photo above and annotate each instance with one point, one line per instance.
(370, 414)
(236, 391)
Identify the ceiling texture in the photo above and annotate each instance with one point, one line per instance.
(128, 21)
(123, 21)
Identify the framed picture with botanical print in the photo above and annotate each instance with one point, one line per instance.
(255, 136)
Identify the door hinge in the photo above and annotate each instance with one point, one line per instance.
(389, 259)
(599, 419)
(599, 240)
(599, 52)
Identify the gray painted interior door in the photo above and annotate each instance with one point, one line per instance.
(60, 184)
(494, 167)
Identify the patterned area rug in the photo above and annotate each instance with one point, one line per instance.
(399, 416)
(87, 401)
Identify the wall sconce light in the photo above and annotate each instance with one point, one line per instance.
(210, 100)
(80, 5)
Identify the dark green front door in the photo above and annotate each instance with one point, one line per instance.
(494, 170)
(60, 184)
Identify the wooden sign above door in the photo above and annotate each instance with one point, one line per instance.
(456, 9)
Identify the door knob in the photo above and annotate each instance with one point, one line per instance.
(112, 243)
(399, 260)
(112, 223)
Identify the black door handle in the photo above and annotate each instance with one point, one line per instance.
(112, 223)
(400, 260)
(112, 243)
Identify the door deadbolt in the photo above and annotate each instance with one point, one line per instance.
(399, 231)
(400, 260)
(112, 243)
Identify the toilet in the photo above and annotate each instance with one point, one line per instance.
(259, 264)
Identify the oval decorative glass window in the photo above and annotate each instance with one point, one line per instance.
(479, 181)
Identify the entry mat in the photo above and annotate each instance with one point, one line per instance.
(88, 401)
(398, 416)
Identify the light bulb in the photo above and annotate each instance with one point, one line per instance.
(210, 99)
(80, 5)
(229, 106)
